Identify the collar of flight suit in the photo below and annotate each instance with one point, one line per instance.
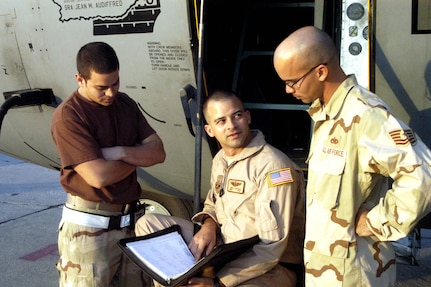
(253, 147)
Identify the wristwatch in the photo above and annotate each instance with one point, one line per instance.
(216, 282)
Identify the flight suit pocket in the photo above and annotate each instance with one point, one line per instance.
(267, 223)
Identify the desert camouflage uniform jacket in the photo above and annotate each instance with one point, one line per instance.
(357, 145)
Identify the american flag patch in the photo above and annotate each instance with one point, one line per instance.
(403, 137)
(281, 176)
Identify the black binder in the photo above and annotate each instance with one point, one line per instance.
(220, 255)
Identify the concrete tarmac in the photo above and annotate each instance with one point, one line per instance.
(30, 202)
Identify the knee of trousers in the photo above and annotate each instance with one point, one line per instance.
(149, 223)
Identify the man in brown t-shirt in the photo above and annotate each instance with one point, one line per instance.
(101, 137)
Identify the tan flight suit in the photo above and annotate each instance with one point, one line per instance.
(260, 192)
(357, 143)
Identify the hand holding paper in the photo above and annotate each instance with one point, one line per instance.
(165, 256)
(204, 240)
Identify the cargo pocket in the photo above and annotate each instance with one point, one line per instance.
(72, 266)
(333, 270)
(267, 224)
(75, 274)
(319, 266)
(329, 171)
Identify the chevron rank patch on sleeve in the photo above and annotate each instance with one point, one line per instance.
(280, 176)
(403, 137)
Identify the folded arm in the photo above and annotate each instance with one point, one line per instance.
(121, 161)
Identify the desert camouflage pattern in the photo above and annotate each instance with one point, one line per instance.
(357, 145)
(90, 257)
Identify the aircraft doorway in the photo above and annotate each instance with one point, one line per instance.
(240, 40)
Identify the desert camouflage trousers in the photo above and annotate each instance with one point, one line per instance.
(368, 264)
(90, 257)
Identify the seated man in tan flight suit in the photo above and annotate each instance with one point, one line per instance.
(255, 189)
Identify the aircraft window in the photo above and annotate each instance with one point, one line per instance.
(421, 18)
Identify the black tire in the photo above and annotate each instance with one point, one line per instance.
(164, 204)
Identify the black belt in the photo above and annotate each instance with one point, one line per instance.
(97, 220)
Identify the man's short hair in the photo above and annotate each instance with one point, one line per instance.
(96, 57)
(219, 95)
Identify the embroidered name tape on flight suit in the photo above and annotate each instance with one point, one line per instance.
(280, 176)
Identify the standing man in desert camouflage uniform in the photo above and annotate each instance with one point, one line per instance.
(357, 144)
(101, 137)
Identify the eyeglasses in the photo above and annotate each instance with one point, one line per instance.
(291, 83)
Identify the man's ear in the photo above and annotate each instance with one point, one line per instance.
(323, 72)
(208, 130)
(80, 79)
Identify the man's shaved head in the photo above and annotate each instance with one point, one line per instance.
(309, 56)
(305, 47)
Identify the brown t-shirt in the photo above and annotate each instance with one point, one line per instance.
(80, 129)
